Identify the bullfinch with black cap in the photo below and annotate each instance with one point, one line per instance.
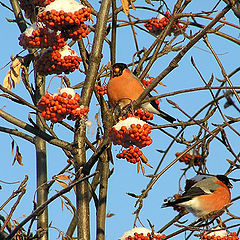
(124, 87)
(206, 197)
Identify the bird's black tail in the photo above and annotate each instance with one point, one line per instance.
(163, 114)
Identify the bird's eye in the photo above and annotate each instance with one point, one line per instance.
(116, 70)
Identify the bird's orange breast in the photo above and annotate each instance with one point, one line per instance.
(216, 201)
(124, 89)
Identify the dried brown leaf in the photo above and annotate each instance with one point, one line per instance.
(62, 204)
(15, 74)
(62, 177)
(133, 7)
(110, 215)
(69, 208)
(13, 144)
(144, 158)
(148, 165)
(149, 2)
(125, 5)
(138, 167)
(142, 168)
(15, 70)
(162, 84)
(63, 184)
(18, 157)
(132, 195)
(7, 81)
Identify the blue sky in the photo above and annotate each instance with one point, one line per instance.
(125, 177)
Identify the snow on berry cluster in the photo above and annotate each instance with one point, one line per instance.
(39, 36)
(131, 131)
(190, 158)
(58, 106)
(58, 21)
(57, 61)
(219, 234)
(156, 25)
(128, 133)
(141, 234)
(67, 16)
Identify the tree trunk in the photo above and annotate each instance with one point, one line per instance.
(41, 164)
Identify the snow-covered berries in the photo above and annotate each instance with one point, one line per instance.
(58, 106)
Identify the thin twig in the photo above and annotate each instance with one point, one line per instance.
(44, 205)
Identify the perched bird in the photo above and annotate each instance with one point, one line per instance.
(124, 87)
(205, 197)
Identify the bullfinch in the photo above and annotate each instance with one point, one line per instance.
(207, 196)
(124, 87)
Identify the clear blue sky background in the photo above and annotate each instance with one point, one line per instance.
(125, 177)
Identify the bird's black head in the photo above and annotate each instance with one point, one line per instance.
(225, 180)
(117, 69)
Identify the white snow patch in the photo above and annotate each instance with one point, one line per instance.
(64, 5)
(127, 123)
(35, 26)
(68, 91)
(66, 51)
(138, 230)
(216, 232)
(161, 16)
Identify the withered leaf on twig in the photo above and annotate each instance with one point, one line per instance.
(13, 75)
(63, 184)
(18, 157)
(62, 177)
(110, 214)
(125, 5)
(13, 144)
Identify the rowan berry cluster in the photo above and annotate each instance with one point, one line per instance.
(58, 21)
(141, 114)
(39, 36)
(57, 61)
(214, 236)
(101, 89)
(156, 25)
(56, 107)
(68, 18)
(187, 158)
(76, 32)
(141, 236)
(132, 154)
(78, 113)
(131, 131)
(146, 82)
